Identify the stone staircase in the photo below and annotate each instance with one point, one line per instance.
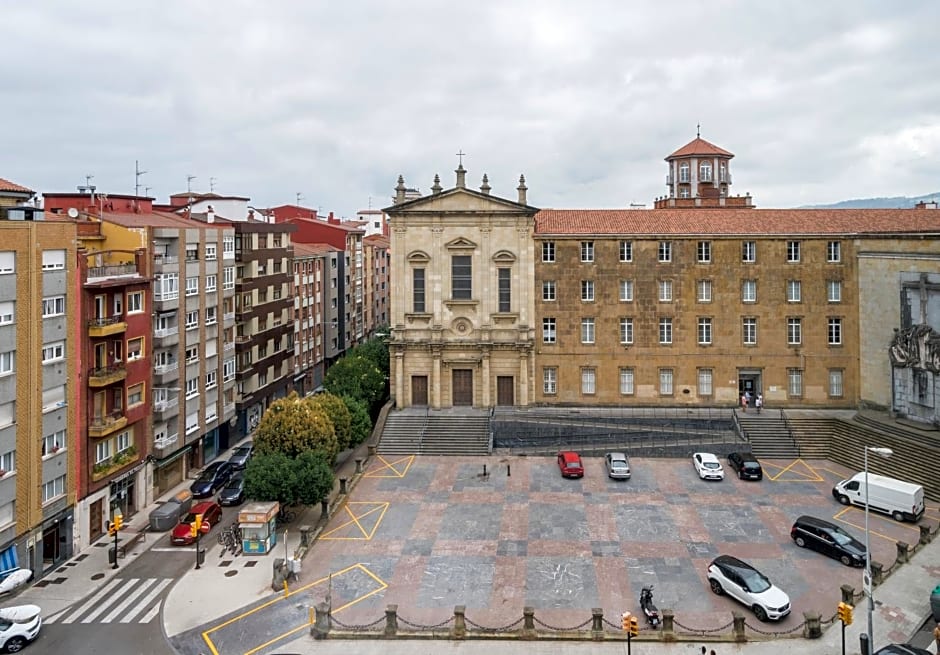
(436, 432)
(769, 435)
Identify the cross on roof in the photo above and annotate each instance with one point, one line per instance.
(460, 154)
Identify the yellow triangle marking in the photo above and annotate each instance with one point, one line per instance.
(798, 469)
(384, 468)
(357, 511)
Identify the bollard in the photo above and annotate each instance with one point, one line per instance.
(484, 470)
(305, 535)
(904, 552)
(321, 626)
(460, 622)
(669, 628)
(325, 508)
(812, 625)
(597, 623)
(358, 465)
(528, 623)
(924, 534)
(342, 486)
(508, 472)
(877, 573)
(848, 594)
(371, 450)
(737, 629)
(391, 620)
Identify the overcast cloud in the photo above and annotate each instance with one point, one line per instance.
(819, 101)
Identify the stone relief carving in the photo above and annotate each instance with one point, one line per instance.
(916, 347)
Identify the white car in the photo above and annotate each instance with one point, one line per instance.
(748, 586)
(19, 625)
(708, 467)
(618, 466)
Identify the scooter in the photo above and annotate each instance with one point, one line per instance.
(649, 609)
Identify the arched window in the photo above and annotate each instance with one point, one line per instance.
(684, 172)
(705, 171)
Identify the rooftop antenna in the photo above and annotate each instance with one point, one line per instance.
(300, 197)
(137, 174)
(212, 184)
(189, 194)
(698, 130)
(370, 202)
(88, 187)
(147, 191)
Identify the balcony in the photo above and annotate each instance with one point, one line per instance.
(100, 273)
(102, 377)
(164, 404)
(105, 327)
(166, 441)
(229, 345)
(114, 464)
(228, 317)
(102, 426)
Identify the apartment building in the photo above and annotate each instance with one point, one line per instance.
(315, 309)
(376, 281)
(39, 373)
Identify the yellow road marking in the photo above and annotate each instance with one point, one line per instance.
(877, 517)
(840, 476)
(379, 470)
(354, 520)
(382, 587)
(810, 476)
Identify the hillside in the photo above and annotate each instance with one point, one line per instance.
(896, 202)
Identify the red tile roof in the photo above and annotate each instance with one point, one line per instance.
(158, 219)
(379, 240)
(342, 225)
(310, 249)
(6, 185)
(730, 222)
(699, 146)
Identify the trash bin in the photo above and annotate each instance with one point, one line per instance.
(165, 517)
(184, 499)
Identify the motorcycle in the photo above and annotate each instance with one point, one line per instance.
(649, 609)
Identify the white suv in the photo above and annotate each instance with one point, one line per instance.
(19, 625)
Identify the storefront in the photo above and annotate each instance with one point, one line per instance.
(124, 491)
(56, 541)
(171, 470)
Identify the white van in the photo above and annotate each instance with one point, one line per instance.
(902, 500)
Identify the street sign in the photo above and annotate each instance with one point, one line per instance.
(205, 527)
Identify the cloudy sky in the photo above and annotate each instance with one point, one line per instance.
(819, 101)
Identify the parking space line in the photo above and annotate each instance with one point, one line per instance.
(838, 476)
(355, 520)
(382, 586)
(877, 518)
(809, 476)
(380, 470)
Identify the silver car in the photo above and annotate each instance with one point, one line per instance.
(618, 466)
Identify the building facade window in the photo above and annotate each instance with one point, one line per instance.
(836, 389)
(794, 291)
(834, 252)
(665, 291)
(749, 291)
(834, 291)
(749, 331)
(548, 251)
(665, 251)
(665, 381)
(228, 277)
(7, 362)
(835, 331)
(665, 331)
(705, 382)
(793, 251)
(504, 281)
(626, 331)
(549, 380)
(192, 388)
(795, 382)
(548, 291)
(461, 270)
(749, 252)
(548, 330)
(53, 260)
(417, 291)
(704, 252)
(53, 306)
(794, 331)
(703, 291)
(626, 251)
(684, 172)
(192, 286)
(211, 283)
(587, 330)
(626, 381)
(588, 381)
(211, 250)
(587, 251)
(192, 319)
(7, 262)
(8, 311)
(626, 290)
(587, 290)
(53, 489)
(705, 171)
(135, 348)
(704, 331)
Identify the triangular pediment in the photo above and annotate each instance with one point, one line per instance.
(504, 257)
(461, 201)
(460, 243)
(418, 257)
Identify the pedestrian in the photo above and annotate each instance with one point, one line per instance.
(704, 650)
(759, 402)
(743, 409)
(936, 636)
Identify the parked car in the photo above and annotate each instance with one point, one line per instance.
(19, 625)
(903, 501)
(570, 464)
(241, 455)
(211, 480)
(618, 466)
(829, 539)
(233, 493)
(748, 586)
(902, 649)
(746, 466)
(211, 513)
(708, 467)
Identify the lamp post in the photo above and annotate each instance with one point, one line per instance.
(866, 579)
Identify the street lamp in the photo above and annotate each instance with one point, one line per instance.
(866, 578)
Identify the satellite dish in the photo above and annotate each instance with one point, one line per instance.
(73, 213)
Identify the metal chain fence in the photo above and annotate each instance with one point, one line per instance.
(702, 630)
(774, 633)
(504, 628)
(557, 629)
(356, 627)
(421, 626)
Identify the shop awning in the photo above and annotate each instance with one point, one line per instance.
(9, 561)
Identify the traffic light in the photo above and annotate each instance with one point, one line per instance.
(634, 626)
(198, 522)
(111, 529)
(193, 530)
(118, 522)
(625, 622)
(845, 613)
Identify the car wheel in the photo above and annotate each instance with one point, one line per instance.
(844, 499)
(800, 542)
(15, 645)
(897, 516)
(716, 587)
(741, 474)
(846, 560)
(760, 613)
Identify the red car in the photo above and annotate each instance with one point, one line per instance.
(570, 464)
(211, 514)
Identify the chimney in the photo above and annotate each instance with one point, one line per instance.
(251, 214)
(210, 214)
(485, 187)
(332, 220)
(461, 176)
(522, 188)
(400, 191)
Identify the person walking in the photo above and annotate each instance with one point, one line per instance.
(936, 636)
(743, 403)
(759, 402)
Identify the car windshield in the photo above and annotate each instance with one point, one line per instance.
(756, 583)
(618, 464)
(234, 483)
(751, 465)
(711, 465)
(189, 518)
(208, 475)
(242, 451)
(840, 537)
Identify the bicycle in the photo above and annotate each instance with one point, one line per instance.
(285, 516)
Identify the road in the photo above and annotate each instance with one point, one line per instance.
(123, 616)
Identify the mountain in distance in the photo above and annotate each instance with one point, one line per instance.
(896, 202)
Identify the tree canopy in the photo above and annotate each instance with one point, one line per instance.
(357, 376)
(361, 422)
(335, 408)
(305, 479)
(294, 425)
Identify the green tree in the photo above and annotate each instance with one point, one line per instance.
(376, 351)
(335, 408)
(356, 376)
(314, 477)
(361, 424)
(271, 476)
(294, 425)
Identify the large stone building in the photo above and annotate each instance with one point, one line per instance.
(691, 303)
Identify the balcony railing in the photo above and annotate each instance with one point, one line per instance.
(102, 377)
(111, 270)
(161, 333)
(228, 316)
(241, 338)
(168, 440)
(102, 426)
(166, 295)
(166, 368)
(106, 326)
(166, 259)
(165, 404)
(229, 345)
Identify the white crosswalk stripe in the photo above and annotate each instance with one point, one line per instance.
(127, 600)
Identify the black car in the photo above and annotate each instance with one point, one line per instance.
(212, 479)
(829, 539)
(746, 466)
(233, 493)
(902, 649)
(241, 455)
